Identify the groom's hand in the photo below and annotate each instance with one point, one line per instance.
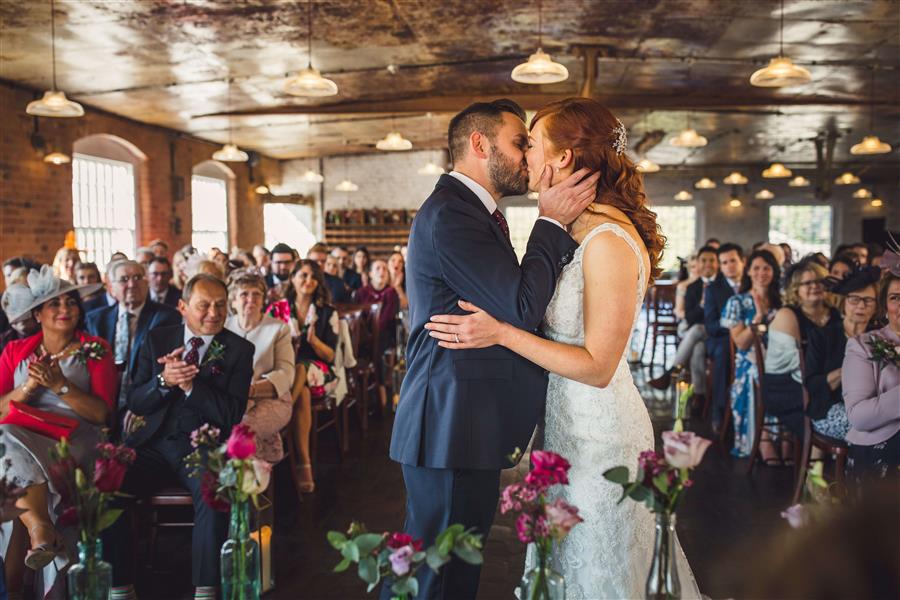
(567, 199)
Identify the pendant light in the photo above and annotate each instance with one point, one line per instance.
(309, 82)
(705, 183)
(870, 144)
(862, 194)
(393, 142)
(734, 202)
(311, 176)
(346, 185)
(54, 103)
(683, 196)
(645, 165)
(776, 171)
(846, 178)
(540, 68)
(688, 138)
(230, 152)
(799, 181)
(764, 194)
(57, 158)
(735, 178)
(876, 203)
(781, 70)
(262, 190)
(431, 168)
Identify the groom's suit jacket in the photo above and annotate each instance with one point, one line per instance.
(470, 409)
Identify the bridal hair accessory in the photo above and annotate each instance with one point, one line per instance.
(621, 142)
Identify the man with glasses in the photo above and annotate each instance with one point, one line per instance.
(159, 273)
(125, 324)
(278, 279)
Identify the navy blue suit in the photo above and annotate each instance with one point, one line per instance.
(717, 344)
(463, 412)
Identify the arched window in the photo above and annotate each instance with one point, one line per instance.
(105, 169)
(212, 183)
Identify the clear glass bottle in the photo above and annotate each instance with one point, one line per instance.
(91, 577)
(662, 581)
(239, 559)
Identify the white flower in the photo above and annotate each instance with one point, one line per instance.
(256, 476)
(684, 450)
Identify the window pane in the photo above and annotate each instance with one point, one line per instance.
(521, 220)
(103, 207)
(678, 224)
(209, 213)
(290, 224)
(807, 228)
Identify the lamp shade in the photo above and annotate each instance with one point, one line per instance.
(683, 195)
(688, 138)
(645, 165)
(764, 195)
(540, 69)
(735, 202)
(862, 194)
(262, 190)
(735, 178)
(393, 142)
(310, 83)
(312, 177)
(54, 104)
(799, 181)
(876, 202)
(230, 153)
(847, 178)
(705, 183)
(780, 72)
(870, 145)
(57, 158)
(346, 186)
(776, 171)
(430, 169)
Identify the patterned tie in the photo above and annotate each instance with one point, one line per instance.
(193, 355)
(123, 337)
(501, 221)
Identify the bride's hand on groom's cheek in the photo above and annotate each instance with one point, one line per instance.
(459, 332)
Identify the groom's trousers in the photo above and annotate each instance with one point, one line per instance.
(436, 499)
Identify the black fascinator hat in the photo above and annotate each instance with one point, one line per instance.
(860, 278)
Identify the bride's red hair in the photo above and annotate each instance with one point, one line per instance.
(589, 129)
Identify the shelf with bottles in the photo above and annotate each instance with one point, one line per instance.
(368, 217)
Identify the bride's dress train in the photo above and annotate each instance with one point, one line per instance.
(609, 555)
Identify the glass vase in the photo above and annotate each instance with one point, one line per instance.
(662, 581)
(542, 582)
(91, 577)
(239, 559)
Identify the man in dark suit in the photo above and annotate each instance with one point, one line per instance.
(727, 284)
(348, 275)
(339, 291)
(462, 413)
(283, 259)
(186, 376)
(159, 274)
(125, 324)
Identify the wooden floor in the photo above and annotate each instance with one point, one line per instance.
(725, 520)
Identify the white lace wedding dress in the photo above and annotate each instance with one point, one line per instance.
(609, 555)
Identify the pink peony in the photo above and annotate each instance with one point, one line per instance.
(562, 517)
(401, 558)
(684, 450)
(241, 443)
(797, 516)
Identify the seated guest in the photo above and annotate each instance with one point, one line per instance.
(220, 258)
(379, 291)
(87, 274)
(345, 270)
(788, 254)
(713, 242)
(397, 273)
(179, 261)
(841, 266)
(314, 329)
(144, 256)
(687, 275)
(186, 375)
(340, 293)
(13, 268)
(805, 310)
(726, 284)
(826, 348)
(117, 256)
(104, 298)
(692, 347)
(64, 263)
(159, 248)
(743, 314)
(14, 299)
(279, 277)
(361, 260)
(871, 383)
(159, 275)
(270, 404)
(861, 250)
(125, 325)
(262, 258)
(51, 373)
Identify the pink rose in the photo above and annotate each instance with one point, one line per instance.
(797, 516)
(562, 517)
(241, 443)
(684, 450)
(401, 558)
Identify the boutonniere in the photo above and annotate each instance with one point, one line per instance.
(884, 351)
(89, 351)
(213, 357)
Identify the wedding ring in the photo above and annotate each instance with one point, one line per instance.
(457, 338)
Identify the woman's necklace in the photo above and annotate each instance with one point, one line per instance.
(60, 354)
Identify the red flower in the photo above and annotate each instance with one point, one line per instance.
(241, 443)
(68, 517)
(111, 466)
(524, 528)
(399, 539)
(208, 484)
(61, 475)
(549, 469)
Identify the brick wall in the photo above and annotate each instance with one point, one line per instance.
(36, 197)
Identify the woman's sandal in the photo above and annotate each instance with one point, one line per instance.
(43, 554)
(306, 487)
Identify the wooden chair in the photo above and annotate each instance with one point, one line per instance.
(663, 323)
(167, 497)
(355, 320)
(382, 360)
(836, 449)
(726, 415)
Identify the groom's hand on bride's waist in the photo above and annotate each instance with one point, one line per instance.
(461, 332)
(569, 198)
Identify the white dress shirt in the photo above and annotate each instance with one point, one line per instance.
(485, 196)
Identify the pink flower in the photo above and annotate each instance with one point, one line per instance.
(516, 497)
(684, 450)
(206, 435)
(401, 558)
(797, 516)
(562, 517)
(241, 443)
(549, 468)
(524, 526)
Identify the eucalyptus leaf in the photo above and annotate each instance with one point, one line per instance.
(468, 554)
(367, 542)
(617, 475)
(351, 551)
(336, 539)
(108, 518)
(368, 570)
(434, 560)
(343, 565)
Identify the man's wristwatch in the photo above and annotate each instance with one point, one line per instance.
(162, 381)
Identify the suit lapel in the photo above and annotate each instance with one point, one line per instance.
(206, 369)
(140, 331)
(111, 315)
(470, 197)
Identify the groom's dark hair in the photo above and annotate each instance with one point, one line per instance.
(485, 117)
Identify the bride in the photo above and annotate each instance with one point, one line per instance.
(595, 416)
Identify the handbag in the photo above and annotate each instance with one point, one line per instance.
(39, 421)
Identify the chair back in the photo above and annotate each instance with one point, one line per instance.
(662, 299)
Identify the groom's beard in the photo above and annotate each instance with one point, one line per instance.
(507, 177)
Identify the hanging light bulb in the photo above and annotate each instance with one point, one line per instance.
(309, 82)
(764, 195)
(799, 181)
(54, 102)
(311, 176)
(776, 171)
(705, 183)
(876, 202)
(57, 158)
(870, 144)
(847, 178)
(230, 153)
(393, 142)
(262, 190)
(683, 195)
(862, 194)
(430, 169)
(645, 165)
(346, 186)
(688, 138)
(540, 68)
(781, 70)
(735, 178)
(735, 202)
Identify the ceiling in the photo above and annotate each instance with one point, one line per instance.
(660, 63)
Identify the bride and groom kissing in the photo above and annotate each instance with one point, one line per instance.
(485, 331)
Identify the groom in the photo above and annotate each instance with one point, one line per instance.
(462, 413)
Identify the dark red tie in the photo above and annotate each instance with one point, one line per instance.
(501, 221)
(193, 355)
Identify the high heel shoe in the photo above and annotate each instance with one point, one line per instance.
(43, 554)
(305, 487)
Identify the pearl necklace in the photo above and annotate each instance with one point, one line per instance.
(60, 354)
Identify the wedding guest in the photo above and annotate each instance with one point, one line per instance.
(86, 274)
(345, 268)
(270, 403)
(314, 330)
(826, 349)
(861, 250)
(686, 276)
(144, 255)
(397, 271)
(63, 373)
(159, 247)
(20, 264)
(283, 259)
(262, 258)
(331, 265)
(184, 254)
(159, 275)
(14, 299)
(116, 256)
(727, 284)
(713, 242)
(754, 305)
(186, 376)
(340, 293)
(219, 258)
(805, 310)
(841, 266)
(870, 377)
(361, 260)
(788, 254)
(64, 263)
(379, 291)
